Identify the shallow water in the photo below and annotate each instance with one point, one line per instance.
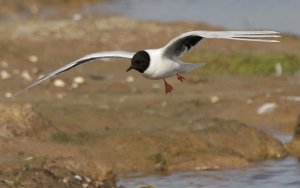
(271, 173)
(232, 14)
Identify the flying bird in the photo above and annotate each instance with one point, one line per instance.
(162, 63)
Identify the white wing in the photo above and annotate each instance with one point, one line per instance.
(186, 41)
(85, 59)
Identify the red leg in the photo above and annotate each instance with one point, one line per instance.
(168, 88)
(180, 77)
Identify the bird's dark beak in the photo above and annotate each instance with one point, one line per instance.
(129, 68)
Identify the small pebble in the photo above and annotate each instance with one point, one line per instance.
(33, 59)
(130, 79)
(66, 180)
(74, 85)
(59, 83)
(249, 101)
(28, 106)
(25, 74)
(164, 104)
(5, 75)
(34, 70)
(267, 108)
(79, 178)
(77, 17)
(85, 185)
(8, 94)
(278, 70)
(79, 80)
(214, 99)
(9, 182)
(28, 158)
(87, 179)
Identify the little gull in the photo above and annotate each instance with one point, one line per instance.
(162, 63)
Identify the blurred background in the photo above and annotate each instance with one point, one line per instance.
(231, 14)
(233, 123)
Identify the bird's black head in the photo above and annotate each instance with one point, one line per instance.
(140, 61)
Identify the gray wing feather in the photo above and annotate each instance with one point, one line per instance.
(85, 59)
(186, 41)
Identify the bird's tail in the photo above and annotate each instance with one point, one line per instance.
(188, 67)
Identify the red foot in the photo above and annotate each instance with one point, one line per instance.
(180, 77)
(168, 88)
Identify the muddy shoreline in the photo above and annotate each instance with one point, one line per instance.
(117, 122)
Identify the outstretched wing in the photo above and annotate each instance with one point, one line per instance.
(85, 59)
(186, 41)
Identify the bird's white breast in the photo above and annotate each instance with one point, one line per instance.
(160, 66)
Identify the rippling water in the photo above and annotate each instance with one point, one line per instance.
(266, 174)
(273, 173)
(233, 14)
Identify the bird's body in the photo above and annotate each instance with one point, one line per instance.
(162, 67)
(162, 63)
